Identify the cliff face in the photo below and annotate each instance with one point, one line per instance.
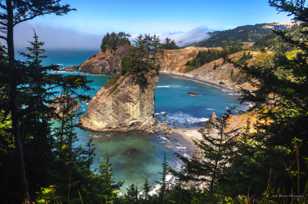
(225, 74)
(107, 62)
(122, 106)
(217, 72)
(175, 60)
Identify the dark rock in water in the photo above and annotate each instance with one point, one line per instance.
(213, 118)
(191, 93)
(131, 152)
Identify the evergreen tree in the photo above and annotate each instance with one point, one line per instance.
(169, 44)
(13, 13)
(35, 115)
(146, 190)
(113, 41)
(163, 181)
(277, 158)
(107, 184)
(216, 152)
(142, 59)
(131, 196)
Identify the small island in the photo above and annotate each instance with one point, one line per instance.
(127, 101)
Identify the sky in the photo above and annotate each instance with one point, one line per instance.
(96, 17)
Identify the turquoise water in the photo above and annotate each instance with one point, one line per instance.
(136, 156)
(64, 57)
(68, 57)
(178, 108)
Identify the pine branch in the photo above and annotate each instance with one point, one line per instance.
(3, 38)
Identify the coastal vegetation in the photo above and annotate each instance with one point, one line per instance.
(41, 161)
(204, 57)
(169, 44)
(113, 41)
(142, 59)
(239, 35)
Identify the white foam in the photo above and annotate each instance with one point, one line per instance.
(168, 86)
(210, 109)
(179, 119)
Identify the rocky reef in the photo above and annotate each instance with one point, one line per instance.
(122, 105)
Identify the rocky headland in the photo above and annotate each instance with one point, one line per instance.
(221, 73)
(122, 105)
(105, 62)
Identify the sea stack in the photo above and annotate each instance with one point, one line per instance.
(122, 105)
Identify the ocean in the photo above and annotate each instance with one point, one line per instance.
(137, 156)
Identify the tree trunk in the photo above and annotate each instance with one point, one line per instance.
(12, 100)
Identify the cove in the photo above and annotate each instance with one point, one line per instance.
(136, 156)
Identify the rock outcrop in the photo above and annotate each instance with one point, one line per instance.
(175, 61)
(219, 72)
(122, 105)
(107, 62)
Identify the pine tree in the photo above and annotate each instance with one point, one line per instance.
(113, 41)
(132, 194)
(216, 152)
(142, 59)
(279, 158)
(169, 44)
(35, 115)
(163, 182)
(108, 185)
(13, 13)
(146, 190)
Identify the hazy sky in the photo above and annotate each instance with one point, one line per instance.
(97, 17)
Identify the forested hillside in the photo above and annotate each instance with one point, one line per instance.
(241, 34)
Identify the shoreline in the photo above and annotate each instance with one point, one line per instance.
(184, 76)
(188, 134)
(201, 81)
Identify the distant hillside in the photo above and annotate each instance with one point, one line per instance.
(247, 33)
(187, 38)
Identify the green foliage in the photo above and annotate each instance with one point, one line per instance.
(47, 195)
(211, 165)
(146, 190)
(204, 57)
(113, 41)
(132, 194)
(163, 182)
(142, 59)
(169, 44)
(276, 164)
(248, 33)
(268, 42)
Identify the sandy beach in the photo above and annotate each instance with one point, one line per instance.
(189, 134)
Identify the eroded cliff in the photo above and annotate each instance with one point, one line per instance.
(107, 62)
(122, 105)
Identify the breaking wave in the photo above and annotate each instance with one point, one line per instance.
(180, 119)
(168, 86)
